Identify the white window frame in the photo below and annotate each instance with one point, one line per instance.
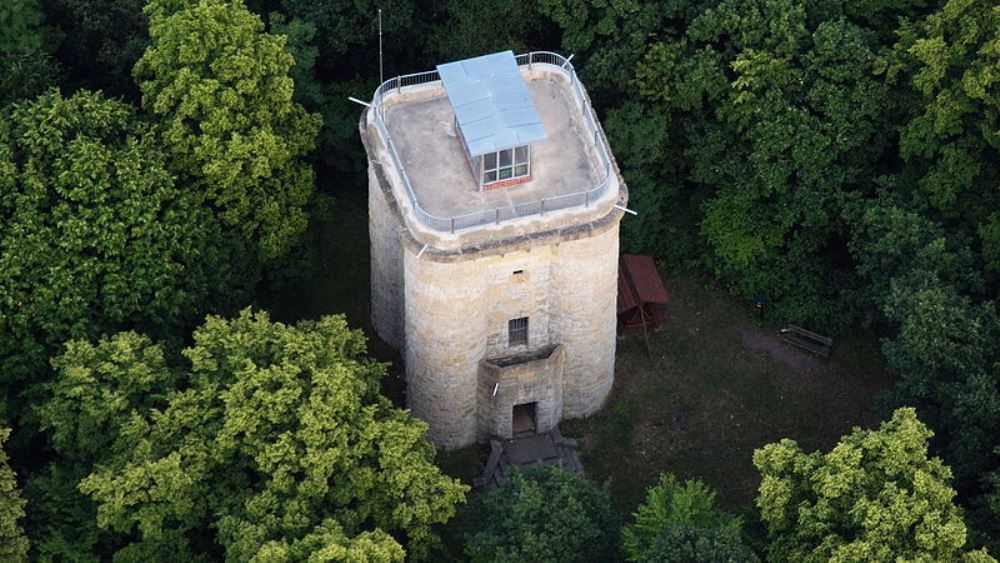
(514, 164)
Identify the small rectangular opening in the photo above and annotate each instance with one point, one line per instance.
(517, 332)
(518, 272)
(523, 421)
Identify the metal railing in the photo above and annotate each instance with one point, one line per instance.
(497, 214)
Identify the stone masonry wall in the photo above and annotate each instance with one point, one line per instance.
(386, 266)
(536, 380)
(457, 313)
(518, 285)
(445, 320)
(583, 295)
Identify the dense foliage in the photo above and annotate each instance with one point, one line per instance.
(95, 234)
(542, 514)
(102, 40)
(27, 67)
(271, 442)
(671, 516)
(220, 89)
(692, 544)
(13, 543)
(838, 157)
(876, 496)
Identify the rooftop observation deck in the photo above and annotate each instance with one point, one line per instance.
(571, 169)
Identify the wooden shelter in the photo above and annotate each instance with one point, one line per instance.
(641, 295)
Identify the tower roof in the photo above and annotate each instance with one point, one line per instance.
(491, 102)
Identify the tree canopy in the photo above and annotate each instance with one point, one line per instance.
(220, 89)
(95, 236)
(877, 496)
(27, 67)
(158, 159)
(542, 514)
(693, 544)
(102, 40)
(272, 443)
(13, 543)
(670, 517)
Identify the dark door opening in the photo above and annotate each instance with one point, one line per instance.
(524, 419)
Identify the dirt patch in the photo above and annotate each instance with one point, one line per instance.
(756, 339)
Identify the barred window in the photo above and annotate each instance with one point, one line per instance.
(517, 332)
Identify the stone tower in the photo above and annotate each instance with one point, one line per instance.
(494, 205)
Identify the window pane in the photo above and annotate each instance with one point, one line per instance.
(490, 176)
(505, 157)
(521, 155)
(504, 173)
(517, 332)
(521, 170)
(490, 161)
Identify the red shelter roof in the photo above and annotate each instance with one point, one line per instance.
(639, 282)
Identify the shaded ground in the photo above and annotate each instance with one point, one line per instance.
(717, 388)
(756, 338)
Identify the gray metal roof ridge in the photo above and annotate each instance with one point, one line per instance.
(492, 103)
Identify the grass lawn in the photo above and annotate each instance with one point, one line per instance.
(697, 408)
(705, 400)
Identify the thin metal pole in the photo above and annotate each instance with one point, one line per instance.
(381, 78)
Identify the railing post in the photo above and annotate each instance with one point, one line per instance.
(496, 211)
(586, 198)
(399, 84)
(452, 225)
(543, 206)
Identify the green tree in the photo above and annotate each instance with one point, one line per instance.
(13, 543)
(608, 37)
(671, 504)
(876, 496)
(62, 522)
(25, 75)
(892, 242)
(98, 390)
(922, 275)
(95, 236)
(276, 444)
(542, 514)
(694, 544)
(27, 67)
(22, 27)
(469, 29)
(945, 352)
(951, 145)
(343, 24)
(95, 393)
(102, 41)
(220, 89)
(781, 122)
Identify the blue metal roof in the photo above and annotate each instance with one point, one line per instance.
(492, 103)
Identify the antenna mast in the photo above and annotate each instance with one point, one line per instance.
(381, 78)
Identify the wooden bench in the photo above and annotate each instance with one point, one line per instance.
(807, 340)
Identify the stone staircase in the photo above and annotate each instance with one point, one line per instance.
(551, 448)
